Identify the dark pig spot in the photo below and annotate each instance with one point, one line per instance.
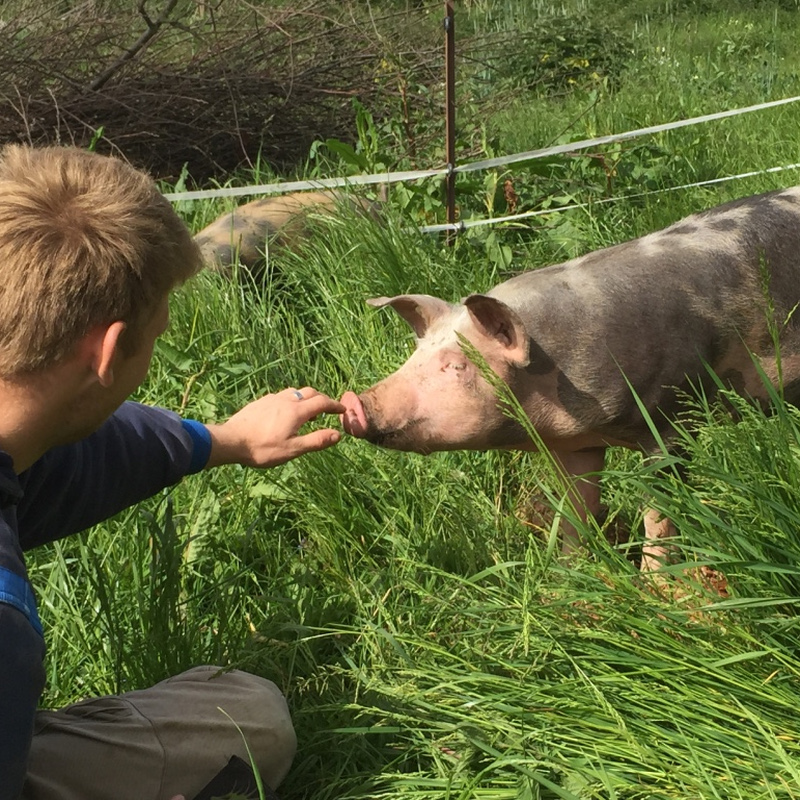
(509, 432)
(791, 391)
(724, 224)
(540, 362)
(579, 404)
(402, 438)
(224, 253)
(734, 379)
(240, 223)
(685, 230)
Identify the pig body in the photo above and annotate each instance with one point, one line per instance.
(572, 340)
(244, 234)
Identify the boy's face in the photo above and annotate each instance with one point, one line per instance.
(131, 370)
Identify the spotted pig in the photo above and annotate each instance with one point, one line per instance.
(572, 340)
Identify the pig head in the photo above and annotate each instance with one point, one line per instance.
(439, 400)
(585, 345)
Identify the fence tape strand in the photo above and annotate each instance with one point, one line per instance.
(463, 225)
(490, 163)
(501, 161)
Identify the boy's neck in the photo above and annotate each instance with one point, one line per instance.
(32, 420)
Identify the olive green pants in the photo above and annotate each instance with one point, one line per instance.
(159, 742)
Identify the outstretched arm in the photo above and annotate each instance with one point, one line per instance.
(143, 449)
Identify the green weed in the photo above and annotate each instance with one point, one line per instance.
(430, 644)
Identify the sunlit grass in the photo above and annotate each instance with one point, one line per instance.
(430, 644)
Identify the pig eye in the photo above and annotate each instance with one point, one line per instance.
(456, 366)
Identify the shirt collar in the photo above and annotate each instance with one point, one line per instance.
(10, 489)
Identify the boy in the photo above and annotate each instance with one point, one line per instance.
(89, 252)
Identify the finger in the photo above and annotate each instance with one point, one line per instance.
(320, 404)
(305, 393)
(316, 440)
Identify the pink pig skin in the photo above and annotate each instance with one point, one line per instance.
(571, 341)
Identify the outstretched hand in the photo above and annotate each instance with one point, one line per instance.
(266, 432)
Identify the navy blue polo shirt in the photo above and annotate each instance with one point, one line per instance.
(139, 451)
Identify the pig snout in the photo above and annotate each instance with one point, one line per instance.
(394, 428)
(354, 419)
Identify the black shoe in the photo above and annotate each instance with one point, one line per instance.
(236, 781)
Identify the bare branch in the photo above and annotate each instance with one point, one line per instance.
(138, 46)
(212, 91)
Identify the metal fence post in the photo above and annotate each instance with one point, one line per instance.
(450, 117)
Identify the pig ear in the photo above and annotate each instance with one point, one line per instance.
(499, 322)
(418, 310)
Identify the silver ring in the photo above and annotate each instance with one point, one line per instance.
(298, 395)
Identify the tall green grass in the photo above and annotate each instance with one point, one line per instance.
(430, 643)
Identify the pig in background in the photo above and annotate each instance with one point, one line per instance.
(245, 234)
(571, 341)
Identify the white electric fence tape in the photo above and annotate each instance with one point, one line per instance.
(474, 223)
(300, 186)
(619, 137)
(490, 163)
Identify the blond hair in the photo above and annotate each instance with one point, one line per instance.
(85, 240)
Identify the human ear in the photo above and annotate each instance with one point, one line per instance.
(107, 346)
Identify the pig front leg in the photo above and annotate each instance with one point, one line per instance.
(658, 529)
(657, 532)
(580, 473)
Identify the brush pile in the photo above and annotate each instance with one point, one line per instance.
(205, 86)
